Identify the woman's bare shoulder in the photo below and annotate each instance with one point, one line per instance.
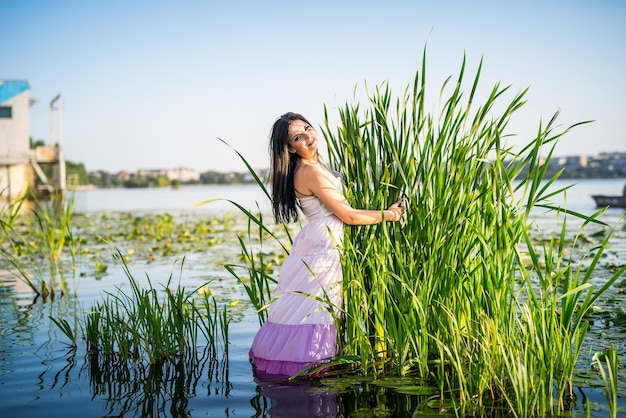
(310, 172)
(309, 179)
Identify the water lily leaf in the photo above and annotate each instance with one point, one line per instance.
(343, 382)
(446, 404)
(372, 412)
(417, 390)
(430, 414)
(620, 316)
(396, 382)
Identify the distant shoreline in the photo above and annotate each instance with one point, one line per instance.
(87, 187)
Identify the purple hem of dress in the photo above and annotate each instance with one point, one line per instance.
(282, 368)
(280, 349)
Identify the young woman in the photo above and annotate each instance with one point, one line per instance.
(300, 329)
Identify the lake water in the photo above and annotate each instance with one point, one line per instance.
(185, 199)
(159, 200)
(39, 377)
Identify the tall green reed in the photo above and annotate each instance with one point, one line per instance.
(255, 273)
(258, 282)
(155, 326)
(610, 358)
(34, 242)
(437, 295)
(448, 294)
(10, 212)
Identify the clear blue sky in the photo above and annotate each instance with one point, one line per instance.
(154, 84)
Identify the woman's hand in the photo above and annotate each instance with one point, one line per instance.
(395, 211)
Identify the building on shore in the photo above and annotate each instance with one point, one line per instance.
(180, 174)
(20, 166)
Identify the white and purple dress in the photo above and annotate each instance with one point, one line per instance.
(300, 329)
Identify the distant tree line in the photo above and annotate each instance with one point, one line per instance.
(606, 171)
(77, 175)
(596, 172)
(105, 179)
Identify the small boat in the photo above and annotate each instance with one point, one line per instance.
(615, 201)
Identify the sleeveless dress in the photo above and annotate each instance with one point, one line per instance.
(300, 329)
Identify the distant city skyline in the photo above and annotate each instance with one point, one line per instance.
(158, 84)
(621, 155)
(604, 165)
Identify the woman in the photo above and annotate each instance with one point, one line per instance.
(300, 329)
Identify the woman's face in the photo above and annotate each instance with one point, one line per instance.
(302, 139)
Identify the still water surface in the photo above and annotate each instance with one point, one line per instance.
(40, 377)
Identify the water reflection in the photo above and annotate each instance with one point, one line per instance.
(165, 389)
(341, 396)
(293, 398)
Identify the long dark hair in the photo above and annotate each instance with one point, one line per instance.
(282, 167)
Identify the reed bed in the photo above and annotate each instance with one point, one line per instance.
(145, 324)
(33, 243)
(459, 293)
(143, 343)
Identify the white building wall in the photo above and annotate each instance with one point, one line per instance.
(15, 131)
(16, 174)
(183, 174)
(15, 180)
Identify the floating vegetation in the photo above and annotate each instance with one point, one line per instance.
(146, 336)
(50, 245)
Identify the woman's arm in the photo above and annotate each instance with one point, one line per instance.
(313, 179)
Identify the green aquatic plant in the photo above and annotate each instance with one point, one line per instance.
(610, 358)
(153, 237)
(255, 274)
(439, 295)
(35, 243)
(45, 243)
(10, 211)
(66, 329)
(258, 282)
(458, 293)
(155, 326)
